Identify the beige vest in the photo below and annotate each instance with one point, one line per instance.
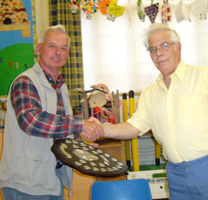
(27, 163)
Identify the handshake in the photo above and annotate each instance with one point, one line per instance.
(92, 129)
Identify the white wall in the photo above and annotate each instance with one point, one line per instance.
(114, 54)
(42, 17)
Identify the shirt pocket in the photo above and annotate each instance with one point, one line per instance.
(191, 110)
(38, 149)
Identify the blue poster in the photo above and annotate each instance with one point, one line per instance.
(16, 40)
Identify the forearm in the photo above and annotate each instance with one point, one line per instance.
(47, 125)
(122, 131)
(33, 120)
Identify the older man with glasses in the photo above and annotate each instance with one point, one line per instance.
(175, 108)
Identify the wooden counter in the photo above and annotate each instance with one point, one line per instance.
(82, 183)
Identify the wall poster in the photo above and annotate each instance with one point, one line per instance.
(17, 39)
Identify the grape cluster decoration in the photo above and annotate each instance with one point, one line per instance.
(152, 11)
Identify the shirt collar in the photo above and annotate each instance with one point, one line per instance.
(60, 81)
(179, 72)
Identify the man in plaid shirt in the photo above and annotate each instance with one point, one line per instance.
(38, 112)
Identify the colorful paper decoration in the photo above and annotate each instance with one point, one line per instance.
(10, 64)
(140, 11)
(166, 12)
(114, 10)
(17, 65)
(34, 31)
(152, 11)
(182, 12)
(104, 6)
(74, 4)
(12, 12)
(90, 7)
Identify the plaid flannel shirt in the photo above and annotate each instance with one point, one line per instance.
(33, 120)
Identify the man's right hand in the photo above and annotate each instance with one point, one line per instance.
(92, 129)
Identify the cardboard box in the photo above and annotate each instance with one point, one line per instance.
(157, 180)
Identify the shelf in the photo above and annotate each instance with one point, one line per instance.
(25, 28)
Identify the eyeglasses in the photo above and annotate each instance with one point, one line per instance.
(164, 47)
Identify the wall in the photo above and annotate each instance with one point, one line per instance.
(114, 54)
(42, 18)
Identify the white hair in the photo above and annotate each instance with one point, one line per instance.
(174, 37)
(59, 28)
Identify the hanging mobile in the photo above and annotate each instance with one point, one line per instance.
(74, 4)
(140, 11)
(165, 12)
(152, 11)
(90, 7)
(114, 10)
(104, 6)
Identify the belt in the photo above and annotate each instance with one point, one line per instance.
(59, 164)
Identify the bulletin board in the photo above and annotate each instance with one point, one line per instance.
(17, 39)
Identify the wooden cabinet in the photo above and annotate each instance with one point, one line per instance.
(82, 183)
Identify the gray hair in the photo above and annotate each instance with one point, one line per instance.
(59, 28)
(174, 37)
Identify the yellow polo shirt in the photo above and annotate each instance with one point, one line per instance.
(178, 116)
